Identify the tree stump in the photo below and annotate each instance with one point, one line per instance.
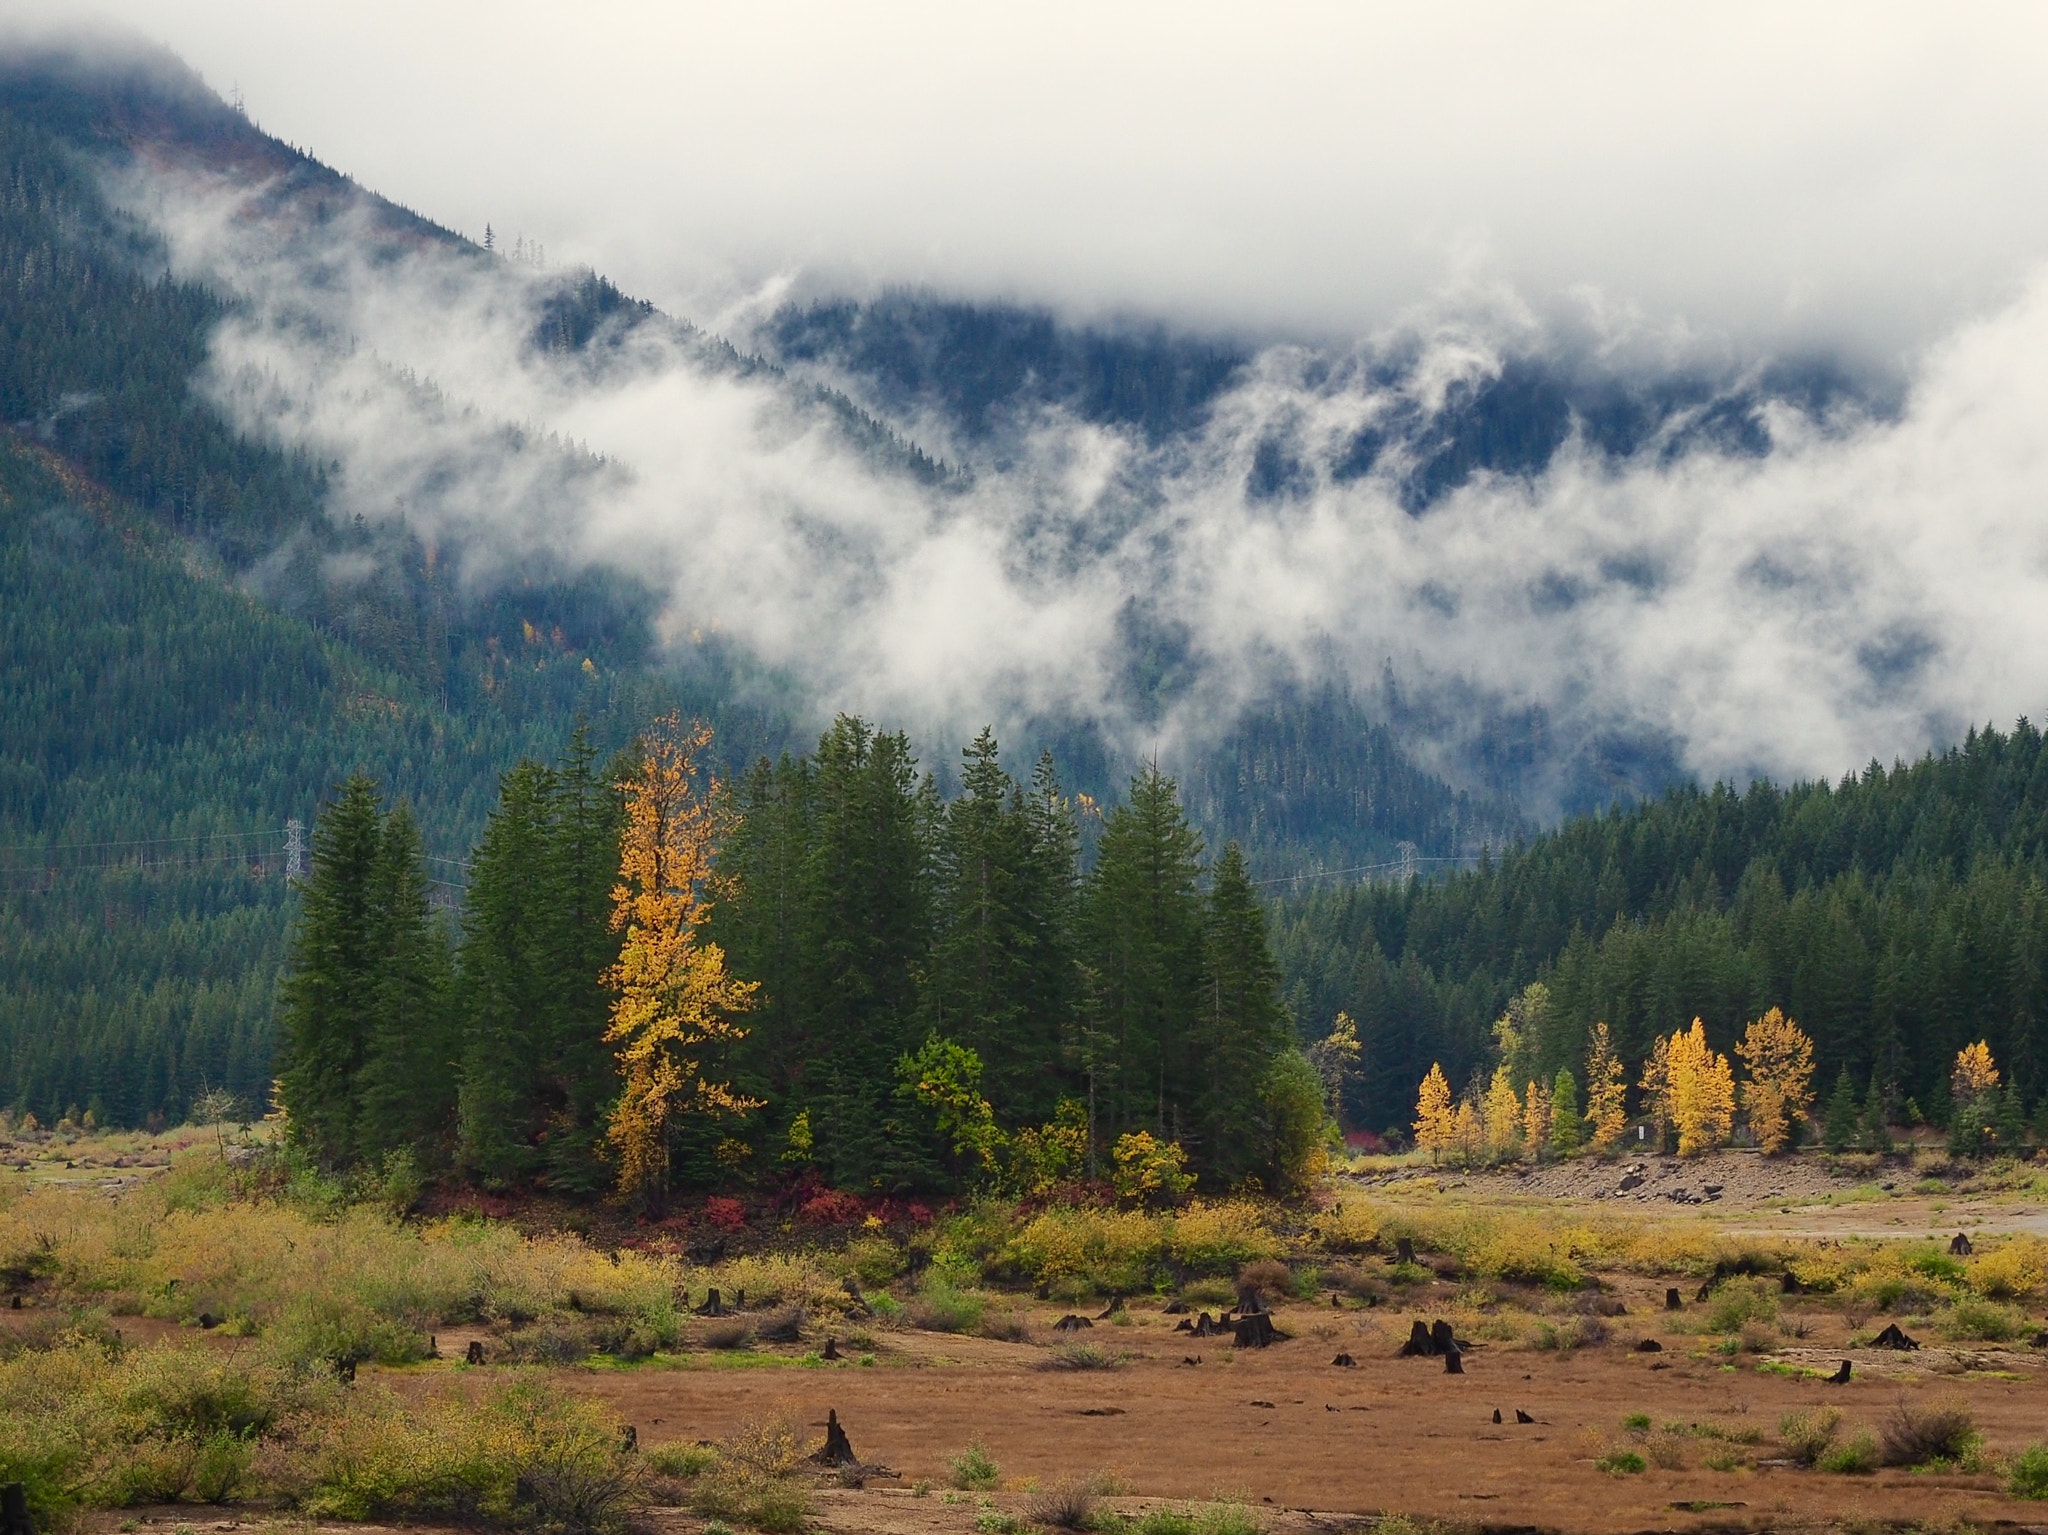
(1522, 1417)
(1183, 1325)
(1250, 1301)
(1649, 1346)
(1404, 1250)
(1960, 1247)
(474, 1354)
(1454, 1363)
(838, 1450)
(14, 1519)
(433, 1347)
(1440, 1338)
(713, 1306)
(1116, 1304)
(1706, 1292)
(1671, 1300)
(208, 1321)
(1419, 1344)
(1256, 1331)
(1207, 1326)
(1345, 1362)
(1073, 1323)
(2040, 1339)
(14, 1304)
(344, 1370)
(1892, 1337)
(831, 1349)
(1788, 1282)
(629, 1440)
(1841, 1376)
(1496, 1415)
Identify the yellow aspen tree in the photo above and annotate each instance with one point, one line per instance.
(1778, 1058)
(1468, 1134)
(1436, 1122)
(1536, 1121)
(1656, 1088)
(674, 995)
(1502, 1111)
(1702, 1092)
(1974, 1073)
(1606, 1090)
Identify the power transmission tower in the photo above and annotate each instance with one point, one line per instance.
(294, 850)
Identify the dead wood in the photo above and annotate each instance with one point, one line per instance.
(1892, 1337)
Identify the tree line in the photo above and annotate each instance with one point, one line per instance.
(1900, 915)
(825, 971)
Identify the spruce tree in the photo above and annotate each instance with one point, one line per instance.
(1565, 1123)
(1876, 1132)
(1142, 934)
(1239, 1030)
(1838, 1127)
(406, 1088)
(327, 1000)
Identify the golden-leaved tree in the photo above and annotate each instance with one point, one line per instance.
(1656, 1088)
(1435, 1119)
(674, 995)
(1502, 1110)
(1701, 1091)
(1974, 1073)
(1778, 1058)
(1536, 1121)
(1606, 1090)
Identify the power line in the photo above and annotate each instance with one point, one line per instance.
(1369, 868)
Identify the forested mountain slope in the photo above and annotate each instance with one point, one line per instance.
(197, 650)
(1897, 915)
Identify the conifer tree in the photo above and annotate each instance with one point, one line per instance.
(1875, 1131)
(1606, 1090)
(327, 1000)
(1435, 1118)
(1565, 1124)
(1838, 1123)
(1239, 1031)
(406, 1088)
(1702, 1091)
(1142, 937)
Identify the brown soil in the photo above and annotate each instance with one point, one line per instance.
(1285, 1429)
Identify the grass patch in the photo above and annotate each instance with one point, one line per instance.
(1080, 1356)
(2027, 1476)
(1939, 1433)
(1623, 1463)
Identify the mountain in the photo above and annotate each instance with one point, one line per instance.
(202, 640)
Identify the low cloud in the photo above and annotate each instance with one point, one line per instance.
(1866, 587)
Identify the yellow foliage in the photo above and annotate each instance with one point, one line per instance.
(674, 996)
(1656, 1087)
(1105, 1248)
(1606, 1090)
(1468, 1134)
(2012, 1271)
(1779, 1059)
(1502, 1111)
(1975, 1072)
(1351, 1227)
(1436, 1123)
(1536, 1120)
(1221, 1236)
(1702, 1092)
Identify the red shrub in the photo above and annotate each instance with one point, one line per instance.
(725, 1214)
(834, 1207)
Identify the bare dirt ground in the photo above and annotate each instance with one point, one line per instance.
(1291, 1434)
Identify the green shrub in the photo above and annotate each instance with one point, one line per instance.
(973, 1470)
(1941, 1432)
(941, 1308)
(1856, 1458)
(1080, 1356)
(1622, 1463)
(1983, 1320)
(1809, 1435)
(1737, 1301)
(2027, 1477)
(688, 1461)
(1636, 1423)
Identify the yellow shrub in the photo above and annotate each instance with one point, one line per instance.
(1351, 1227)
(1220, 1237)
(1104, 1249)
(2013, 1270)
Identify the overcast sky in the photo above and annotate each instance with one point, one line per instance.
(1860, 174)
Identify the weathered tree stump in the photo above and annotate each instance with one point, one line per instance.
(433, 1347)
(14, 1519)
(1522, 1417)
(1454, 1363)
(739, 1300)
(1116, 1304)
(1250, 1301)
(1071, 1323)
(1960, 1247)
(713, 1306)
(838, 1450)
(1649, 1346)
(1345, 1362)
(1404, 1250)
(1440, 1337)
(1788, 1282)
(474, 1354)
(1419, 1344)
(1496, 1415)
(2040, 1339)
(344, 1370)
(208, 1321)
(1177, 1308)
(1706, 1292)
(1189, 1359)
(1207, 1326)
(14, 1304)
(1183, 1325)
(831, 1350)
(1841, 1376)
(1256, 1331)
(1892, 1337)
(629, 1440)
(861, 1308)
(1671, 1300)
(1336, 1301)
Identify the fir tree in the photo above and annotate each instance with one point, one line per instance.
(1838, 1122)
(1565, 1124)
(1239, 1030)
(328, 999)
(406, 1089)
